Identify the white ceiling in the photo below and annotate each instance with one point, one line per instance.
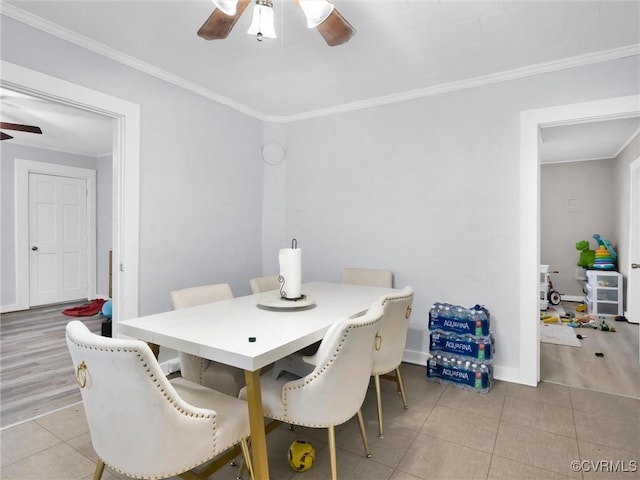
(64, 128)
(596, 140)
(402, 49)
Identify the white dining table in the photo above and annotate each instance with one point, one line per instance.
(244, 333)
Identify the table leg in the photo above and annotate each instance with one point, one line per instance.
(256, 425)
(155, 349)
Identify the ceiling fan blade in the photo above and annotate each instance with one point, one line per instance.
(219, 24)
(4, 136)
(20, 128)
(336, 30)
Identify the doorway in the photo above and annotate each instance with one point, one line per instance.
(126, 181)
(530, 123)
(579, 199)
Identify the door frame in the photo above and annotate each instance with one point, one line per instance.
(23, 168)
(634, 222)
(530, 123)
(126, 172)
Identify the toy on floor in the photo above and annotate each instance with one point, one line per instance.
(582, 321)
(301, 455)
(107, 309)
(605, 327)
(568, 317)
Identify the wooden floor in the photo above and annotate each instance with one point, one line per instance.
(36, 372)
(616, 372)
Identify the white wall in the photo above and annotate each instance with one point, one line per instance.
(429, 188)
(577, 200)
(200, 169)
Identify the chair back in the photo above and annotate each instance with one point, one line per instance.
(139, 425)
(393, 331)
(334, 391)
(264, 284)
(193, 296)
(368, 277)
(197, 369)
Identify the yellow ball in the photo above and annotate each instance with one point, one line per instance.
(301, 455)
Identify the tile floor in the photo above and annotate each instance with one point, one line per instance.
(512, 432)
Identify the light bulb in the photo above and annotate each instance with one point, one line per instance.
(228, 7)
(316, 11)
(262, 21)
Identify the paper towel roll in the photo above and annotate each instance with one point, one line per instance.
(291, 271)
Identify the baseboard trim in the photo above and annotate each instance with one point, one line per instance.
(416, 357)
(12, 308)
(505, 374)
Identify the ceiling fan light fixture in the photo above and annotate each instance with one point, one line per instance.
(228, 7)
(262, 22)
(316, 11)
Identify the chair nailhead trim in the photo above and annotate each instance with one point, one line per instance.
(216, 451)
(319, 372)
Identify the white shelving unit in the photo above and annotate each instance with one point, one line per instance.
(544, 287)
(604, 293)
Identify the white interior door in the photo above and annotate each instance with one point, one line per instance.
(57, 239)
(633, 277)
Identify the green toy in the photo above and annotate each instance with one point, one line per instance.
(587, 256)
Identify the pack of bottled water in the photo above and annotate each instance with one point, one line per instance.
(461, 346)
(474, 321)
(465, 347)
(465, 374)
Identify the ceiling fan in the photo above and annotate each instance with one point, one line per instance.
(17, 127)
(320, 14)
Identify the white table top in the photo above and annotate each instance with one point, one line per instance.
(220, 331)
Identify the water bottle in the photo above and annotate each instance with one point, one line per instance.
(487, 374)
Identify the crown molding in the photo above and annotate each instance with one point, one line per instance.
(82, 41)
(499, 77)
(626, 144)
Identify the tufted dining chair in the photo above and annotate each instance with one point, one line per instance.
(298, 362)
(387, 358)
(367, 276)
(141, 424)
(221, 377)
(264, 284)
(334, 391)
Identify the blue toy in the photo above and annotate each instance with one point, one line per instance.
(106, 309)
(605, 257)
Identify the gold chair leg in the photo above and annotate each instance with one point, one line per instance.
(379, 404)
(363, 434)
(247, 458)
(401, 385)
(332, 452)
(97, 474)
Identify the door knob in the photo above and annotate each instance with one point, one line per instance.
(34, 248)
(635, 265)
